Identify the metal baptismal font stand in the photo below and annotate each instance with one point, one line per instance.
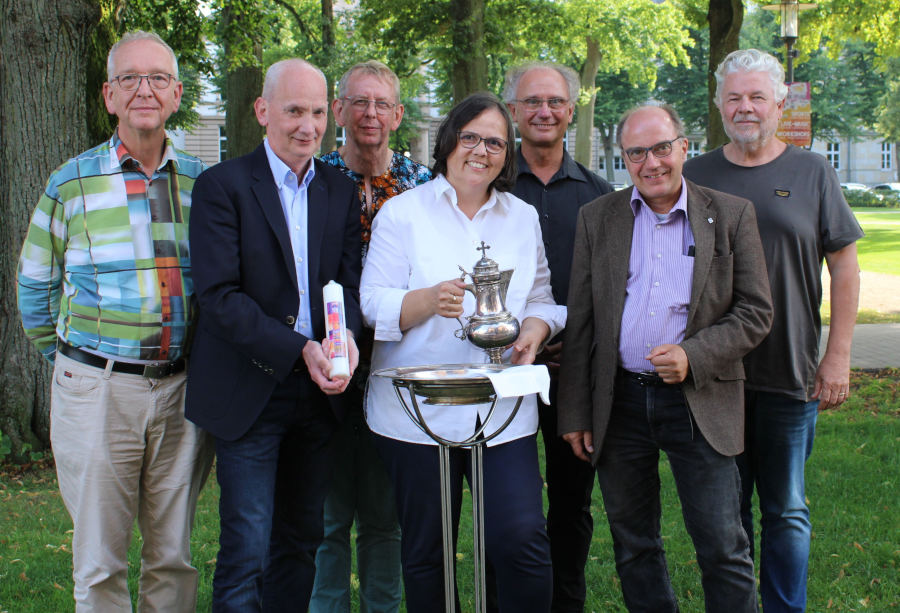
(492, 328)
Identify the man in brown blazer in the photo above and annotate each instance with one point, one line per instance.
(669, 291)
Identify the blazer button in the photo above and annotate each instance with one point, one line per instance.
(290, 320)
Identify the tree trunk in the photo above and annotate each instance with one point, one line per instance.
(584, 122)
(469, 69)
(243, 85)
(45, 47)
(725, 18)
(607, 133)
(329, 141)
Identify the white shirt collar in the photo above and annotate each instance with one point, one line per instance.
(442, 188)
(283, 173)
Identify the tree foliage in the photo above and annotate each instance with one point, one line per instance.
(684, 85)
(627, 37)
(845, 96)
(872, 21)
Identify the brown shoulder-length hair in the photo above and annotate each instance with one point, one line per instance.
(461, 114)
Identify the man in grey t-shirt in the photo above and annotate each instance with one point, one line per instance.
(802, 218)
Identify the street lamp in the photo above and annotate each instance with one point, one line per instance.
(790, 13)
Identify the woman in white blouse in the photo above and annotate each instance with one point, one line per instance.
(411, 296)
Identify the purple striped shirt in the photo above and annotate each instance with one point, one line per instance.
(660, 273)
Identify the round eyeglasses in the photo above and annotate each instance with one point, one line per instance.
(470, 140)
(130, 82)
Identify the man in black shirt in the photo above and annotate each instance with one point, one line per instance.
(541, 98)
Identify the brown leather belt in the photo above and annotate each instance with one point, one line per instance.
(158, 370)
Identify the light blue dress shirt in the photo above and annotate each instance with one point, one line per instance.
(294, 204)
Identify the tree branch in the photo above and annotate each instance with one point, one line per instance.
(293, 11)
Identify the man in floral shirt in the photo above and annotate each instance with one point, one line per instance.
(368, 108)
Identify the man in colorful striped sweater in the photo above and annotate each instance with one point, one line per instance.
(105, 292)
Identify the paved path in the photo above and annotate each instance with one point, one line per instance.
(874, 345)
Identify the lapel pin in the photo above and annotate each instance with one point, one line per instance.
(709, 220)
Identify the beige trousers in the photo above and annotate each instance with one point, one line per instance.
(124, 451)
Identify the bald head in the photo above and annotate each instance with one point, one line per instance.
(293, 68)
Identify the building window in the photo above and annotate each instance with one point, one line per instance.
(833, 154)
(887, 156)
(223, 144)
(693, 149)
(340, 136)
(618, 164)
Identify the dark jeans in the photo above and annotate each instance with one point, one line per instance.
(569, 523)
(273, 484)
(645, 420)
(515, 536)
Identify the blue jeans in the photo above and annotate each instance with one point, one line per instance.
(515, 536)
(360, 490)
(273, 484)
(780, 432)
(645, 420)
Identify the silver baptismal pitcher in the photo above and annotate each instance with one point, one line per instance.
(491, 327)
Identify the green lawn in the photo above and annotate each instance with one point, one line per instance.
(879, 250)
(853, 484)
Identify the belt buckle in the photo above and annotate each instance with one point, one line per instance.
(155, 371)
(648, 377)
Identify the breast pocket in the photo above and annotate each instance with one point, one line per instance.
(680, 280)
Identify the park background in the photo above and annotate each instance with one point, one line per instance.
(625, 51)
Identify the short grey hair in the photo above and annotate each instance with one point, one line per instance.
(752, 60)
(375, 69)
(670, 111)
(274, 72)
(515, 74)
(134, 36)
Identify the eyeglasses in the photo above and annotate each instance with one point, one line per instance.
(360, 104)
(659, 150)
(130, 82)
(534, 104)
(470, 140)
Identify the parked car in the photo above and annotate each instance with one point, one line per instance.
(887, 188)
(862, 187)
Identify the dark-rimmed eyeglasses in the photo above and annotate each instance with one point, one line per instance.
(659, 150)
(470, 140)
(131, 81)
(360, 104)
(533, 104)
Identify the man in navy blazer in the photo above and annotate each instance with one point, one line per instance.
(268, 230)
